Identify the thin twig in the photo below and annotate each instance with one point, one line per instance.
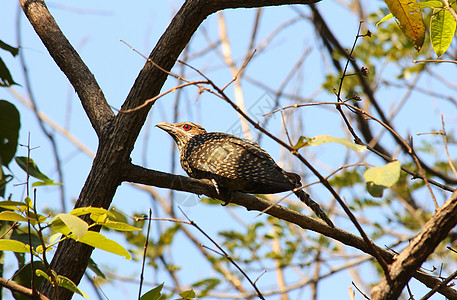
(446, 148)
(385, 157)
(226, 255)
(435, 61)
(144, 255)
(154, 99)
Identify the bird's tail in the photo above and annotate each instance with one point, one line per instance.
(305, 198)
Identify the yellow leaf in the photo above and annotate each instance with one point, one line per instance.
(380, 178)
(15, 246)
(11, 216)
(74, 224)
(322, 139)
(121, 226)
(409, 17)
(386, 18)
(97, 240)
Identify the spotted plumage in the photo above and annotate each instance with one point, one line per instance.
(233, 163)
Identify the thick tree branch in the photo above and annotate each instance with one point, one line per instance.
(117, 135)
(137, 174)
(71, 64)
(412, 257)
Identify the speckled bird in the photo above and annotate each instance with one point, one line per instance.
(233, 163)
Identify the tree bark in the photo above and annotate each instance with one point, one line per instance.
(117, 134)
(412, 257)
(141, 175)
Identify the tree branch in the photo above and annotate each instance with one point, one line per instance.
(71, 64)
(137, 174)
(13, 286)
(412, 257)
(117, 134)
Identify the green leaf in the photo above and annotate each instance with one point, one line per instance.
(30, 165)
(206, 285)
(74, 224)
(386, 18)
(94, 267)
(11, 216)
(153, 294)
(380, 178)
(63, 282)
(10, 123)
(15, 246)
(54, 237)
(69, 285)
(91, 210)
(43, 274)
(409, 17)
(434, 4)
(97, 240)
(23, 277)
(14, 51)
(5, 76)
(190, 294)
(322, 139)
(13, 205)
(442, 30)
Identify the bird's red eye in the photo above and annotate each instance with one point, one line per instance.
(186, 127)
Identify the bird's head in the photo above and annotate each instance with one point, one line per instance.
(181, 132)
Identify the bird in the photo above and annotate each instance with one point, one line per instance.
(234, 163)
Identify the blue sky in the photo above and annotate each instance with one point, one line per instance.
(95, 29)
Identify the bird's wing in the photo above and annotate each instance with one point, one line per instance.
(221, 158)
(252, 147)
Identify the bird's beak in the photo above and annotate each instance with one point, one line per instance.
(165, 126)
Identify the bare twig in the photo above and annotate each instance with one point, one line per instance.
(146, 242)
(11, 285)
(226, 255)
(385, 157)
(446, 148)
(435, 61)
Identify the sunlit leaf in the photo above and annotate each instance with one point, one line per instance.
(13, 205)
(97, 240)
(91, 210)
(15, 246)
(442, 30)
(11, 216)
(121, 226)
(322, 139)
(153, 294)
(43, 274)
(69, 285)
(386, 18)
(45, 183)
(380, 178)
(409, 17)
(75, 225)
(433, 3)
(54, 237)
